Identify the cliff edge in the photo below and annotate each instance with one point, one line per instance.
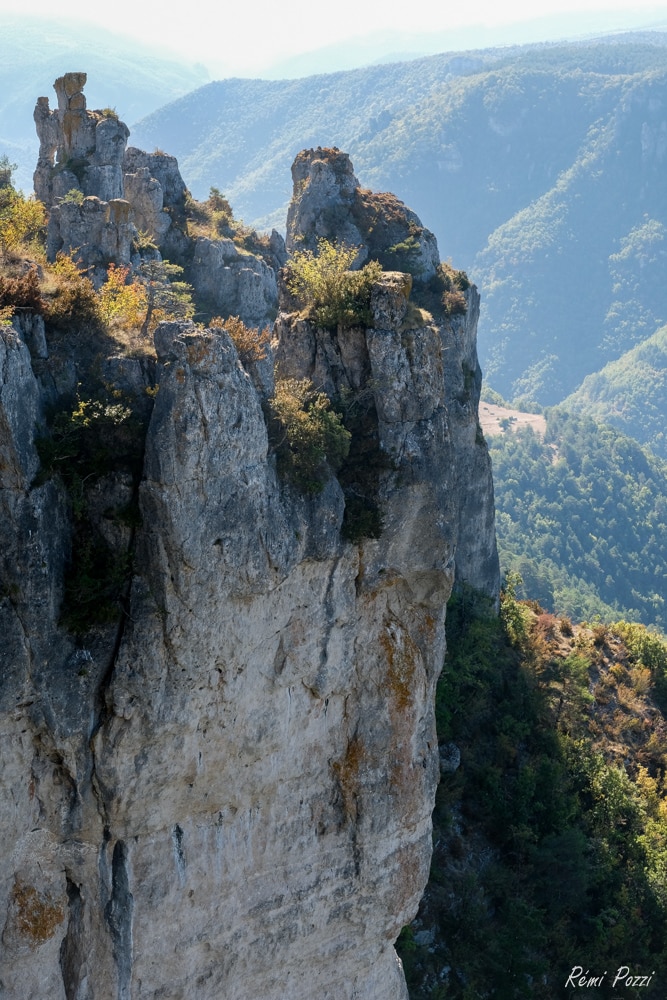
(227, 789)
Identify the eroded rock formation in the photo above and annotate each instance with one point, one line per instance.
(154, 187)
(82, 151)
(78, 149)
(328, 203)
(227, 791)
(232, 282)
(104, 200)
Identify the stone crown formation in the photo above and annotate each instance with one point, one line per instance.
(126, 193)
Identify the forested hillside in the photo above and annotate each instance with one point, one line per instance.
(582, 516)
(550, 826)
(630, 393)
(574, 279)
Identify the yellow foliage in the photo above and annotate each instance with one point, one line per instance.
(250, 342)
(332, 293)
(66, 268)
(22, 221)
(120, 303)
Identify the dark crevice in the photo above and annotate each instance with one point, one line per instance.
(73, 950)
(361, 471)
(179, 854)
(118, 914)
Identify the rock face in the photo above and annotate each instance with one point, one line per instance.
(328, 203)
(228, 791)
(155, 189)
(234, 283)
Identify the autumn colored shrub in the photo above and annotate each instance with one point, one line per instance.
(22, 222)
(120, 302)
(21, 291)
(250, 342)
(72, 304)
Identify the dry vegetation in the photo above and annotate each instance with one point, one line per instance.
(214, 219)
(249, 341)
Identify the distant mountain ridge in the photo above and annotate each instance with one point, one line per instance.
(393, 46)
(541, 167)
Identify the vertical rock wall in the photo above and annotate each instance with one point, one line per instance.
(228, 792)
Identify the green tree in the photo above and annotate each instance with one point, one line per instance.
(167, 297)
(332, 293)
(6, 171)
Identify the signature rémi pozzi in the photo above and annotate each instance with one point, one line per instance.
(623, 978)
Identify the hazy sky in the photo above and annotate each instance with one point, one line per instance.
(247, 37)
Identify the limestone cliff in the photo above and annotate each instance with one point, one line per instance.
(227, 790)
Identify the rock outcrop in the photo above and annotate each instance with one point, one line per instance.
(97, 231)
(105, 200)
(328, 203)
(234, 283)
(78, 149)
(227, 791)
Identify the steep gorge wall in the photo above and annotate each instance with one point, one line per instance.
(228, 791)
